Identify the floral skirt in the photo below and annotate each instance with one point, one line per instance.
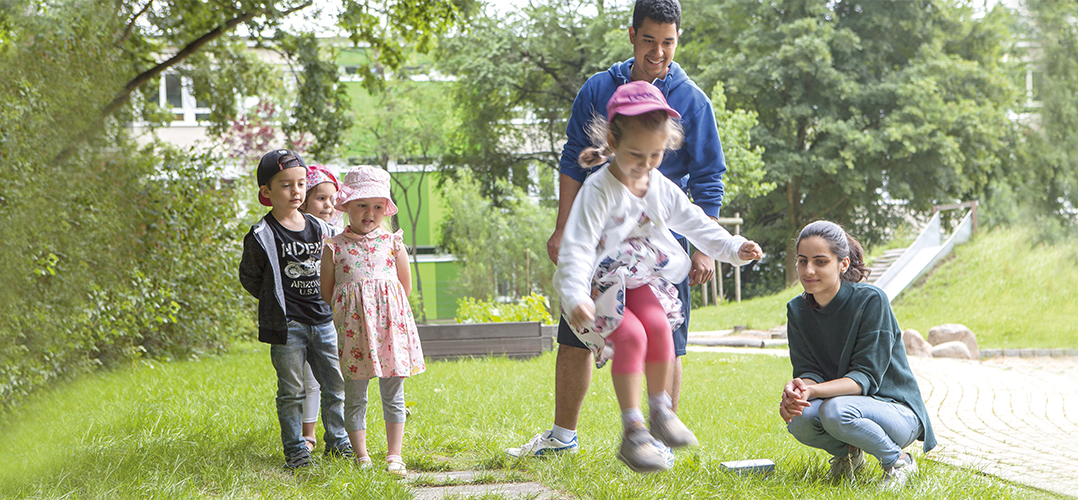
(637, 263)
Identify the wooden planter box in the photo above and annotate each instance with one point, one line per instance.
(514, 340)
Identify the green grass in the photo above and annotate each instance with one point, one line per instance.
(757, 313)
(1010, 292)
(208, 430)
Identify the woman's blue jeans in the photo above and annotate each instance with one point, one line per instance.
(878, 428)
(316, 345)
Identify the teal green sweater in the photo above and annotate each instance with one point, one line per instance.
(856, 336)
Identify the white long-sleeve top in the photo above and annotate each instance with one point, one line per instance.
(605, 213)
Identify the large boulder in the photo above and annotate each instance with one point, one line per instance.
(916, 345)
(954, 349)
(952, 333)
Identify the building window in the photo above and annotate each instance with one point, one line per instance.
(175, 94)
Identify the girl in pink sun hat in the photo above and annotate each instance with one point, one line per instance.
(321, 201)
(618, 263)
(322, 188)
(366, 279)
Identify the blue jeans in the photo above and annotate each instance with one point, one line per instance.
(681, 335)
(878, 428)
(316, 345)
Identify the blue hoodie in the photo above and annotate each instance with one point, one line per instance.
(697, 167)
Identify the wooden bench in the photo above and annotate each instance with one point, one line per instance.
(514, 340)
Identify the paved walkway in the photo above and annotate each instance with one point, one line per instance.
(1015, 418)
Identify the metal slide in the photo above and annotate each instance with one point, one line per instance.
(922, 255)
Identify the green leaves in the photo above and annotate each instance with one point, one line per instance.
(322, 104)
(501, 250)
(517, 76)
(532, 307)
(858, 106)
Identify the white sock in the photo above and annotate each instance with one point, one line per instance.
(659, 405)
(562, 434)
(631, 416)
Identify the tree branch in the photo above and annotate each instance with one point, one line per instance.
(131, 24)
(191, 48)
(155, 71)
(555, 75)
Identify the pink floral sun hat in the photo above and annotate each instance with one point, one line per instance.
(365, 182)
(318, 174)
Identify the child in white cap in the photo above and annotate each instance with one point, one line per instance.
(618, 263)
(365, 278)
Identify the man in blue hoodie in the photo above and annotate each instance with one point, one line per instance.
(697, 167)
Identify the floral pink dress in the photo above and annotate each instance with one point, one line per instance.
(376, 333)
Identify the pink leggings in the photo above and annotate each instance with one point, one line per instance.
(644, 334)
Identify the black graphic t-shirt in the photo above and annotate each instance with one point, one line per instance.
(300, 256)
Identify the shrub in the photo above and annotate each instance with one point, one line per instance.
(137, 258)
(533, 307)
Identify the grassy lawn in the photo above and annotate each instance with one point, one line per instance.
(1010, 293)
(757, 313)
(208, 429)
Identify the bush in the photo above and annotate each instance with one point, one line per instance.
(138, 258)
(533, 307)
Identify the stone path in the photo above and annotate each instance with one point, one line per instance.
(461, 484)
(1015, 418)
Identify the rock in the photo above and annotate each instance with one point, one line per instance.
(955, 332)
(955, 349)
(779, 332)
(916, 345)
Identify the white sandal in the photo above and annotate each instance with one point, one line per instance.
(363, 462)
(396, 467)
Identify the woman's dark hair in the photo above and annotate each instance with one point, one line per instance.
(842, 245)
(660, 11)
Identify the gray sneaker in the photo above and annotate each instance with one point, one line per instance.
(643, 453)
(895, 476)
(669, 429)
(846, 467)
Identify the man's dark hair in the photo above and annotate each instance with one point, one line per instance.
(660, 11)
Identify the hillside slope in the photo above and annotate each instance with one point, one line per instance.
(1011, 292)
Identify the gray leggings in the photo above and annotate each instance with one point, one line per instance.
(355, 402)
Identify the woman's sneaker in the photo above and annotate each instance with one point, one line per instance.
(895, 476)
(544, 443)
(669, 429)
(643, 453)
(845, 467)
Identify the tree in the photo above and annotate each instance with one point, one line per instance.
(497, 259)
(859, 105)
(1052, 180)
(404, 122)
(150, 38)
(513, 102)
(113, 250)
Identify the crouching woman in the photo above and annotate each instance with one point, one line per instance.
(853, 391)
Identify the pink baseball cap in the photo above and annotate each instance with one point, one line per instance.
(636, 98)
(365, 182)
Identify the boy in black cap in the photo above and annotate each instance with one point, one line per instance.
(280, 267)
